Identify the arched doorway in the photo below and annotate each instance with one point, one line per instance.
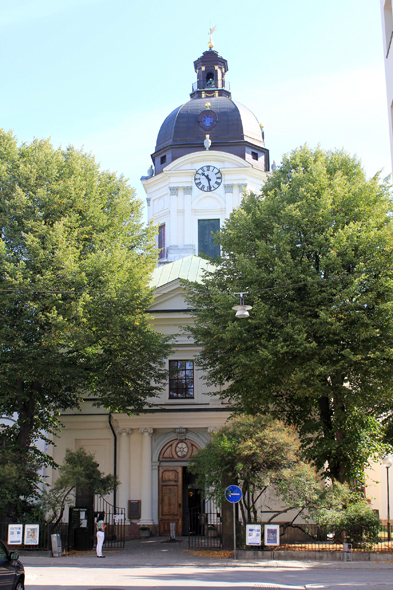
(177, 491)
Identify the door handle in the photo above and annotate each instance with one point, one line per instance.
(179, 505)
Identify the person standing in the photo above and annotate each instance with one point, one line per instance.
(100, 526)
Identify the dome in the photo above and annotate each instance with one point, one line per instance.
(231, 127)
(234, 123)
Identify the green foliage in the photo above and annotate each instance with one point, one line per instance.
(19, 489)
(256, 452)
(350, 515)
(75, 262)
(314, 253)
(79, 471)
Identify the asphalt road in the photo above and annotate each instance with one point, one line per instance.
(104, 576)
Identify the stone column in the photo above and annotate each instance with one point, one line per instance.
(235, 196)
(228, 188)
(124, 468)
(242, 189)
(187, 216)
(146, 478)
(173, 191)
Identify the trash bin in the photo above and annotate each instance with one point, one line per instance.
(57, 549)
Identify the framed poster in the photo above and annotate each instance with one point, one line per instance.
(272, 534)
(32, 534)
(253, 534)
(15, 532)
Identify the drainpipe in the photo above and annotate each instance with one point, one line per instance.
(114, 459)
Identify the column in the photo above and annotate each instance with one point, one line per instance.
(242, 189)
(146, 478)
(173, 190)
(188, 241)
(228, 188)
(124, 468)
(235, 196)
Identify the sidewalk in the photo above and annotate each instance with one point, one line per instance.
(160, 552)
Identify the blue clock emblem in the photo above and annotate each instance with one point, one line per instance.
(207, 120)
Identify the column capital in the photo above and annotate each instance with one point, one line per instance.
(124, 431)
(228, 188)
(147, 431)
(148, 201)
(173, 190)
(187, 190)
(212, 429)
(243, 187)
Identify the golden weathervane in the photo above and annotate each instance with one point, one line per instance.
(211, 31)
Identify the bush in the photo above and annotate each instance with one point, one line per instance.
(360, 524)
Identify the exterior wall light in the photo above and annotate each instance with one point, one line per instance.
(242, 310)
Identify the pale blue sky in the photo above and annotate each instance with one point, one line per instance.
(104, 74)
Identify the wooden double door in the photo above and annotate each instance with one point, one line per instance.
(171, 499)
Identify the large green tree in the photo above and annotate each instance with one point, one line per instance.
(75, 263)
(314, 253)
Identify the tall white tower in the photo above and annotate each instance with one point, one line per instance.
(208, 151)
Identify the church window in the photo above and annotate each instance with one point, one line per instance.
(254, 155)
(181, 379)
(163, 159)
(161, 241)
(206, 244)
(210, 80)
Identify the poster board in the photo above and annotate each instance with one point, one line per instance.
(15, 534)
(32, 534)
(253, 534)
(272, 534)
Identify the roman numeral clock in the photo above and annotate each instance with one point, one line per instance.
(208, 178)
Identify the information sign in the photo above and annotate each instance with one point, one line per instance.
(233, 494)
(253, 534)
(15, 534)
(272, 534)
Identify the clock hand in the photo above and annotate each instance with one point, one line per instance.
(208, 180)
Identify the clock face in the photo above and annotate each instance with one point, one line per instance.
(208, 178)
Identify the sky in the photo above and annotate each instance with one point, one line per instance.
(102, 75)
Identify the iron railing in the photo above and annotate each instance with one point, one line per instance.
(311, 537)
(115, 519)
(44, 538)
(205, 526)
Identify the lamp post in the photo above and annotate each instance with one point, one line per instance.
(388, 462)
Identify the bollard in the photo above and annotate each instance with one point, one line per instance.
(172, 527)
(347, 551)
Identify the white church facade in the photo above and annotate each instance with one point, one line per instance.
(208, 151)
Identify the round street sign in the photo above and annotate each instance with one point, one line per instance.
(233, 494)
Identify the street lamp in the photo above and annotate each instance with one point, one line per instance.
(388, 462)
(242, 310)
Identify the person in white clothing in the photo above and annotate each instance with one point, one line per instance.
(100, 526)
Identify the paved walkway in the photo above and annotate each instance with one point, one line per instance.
(160, 552)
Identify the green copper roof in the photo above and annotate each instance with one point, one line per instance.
(190, 268)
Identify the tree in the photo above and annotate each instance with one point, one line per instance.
(75, 262)
(314, 253)
(80, 471)
(257, 453)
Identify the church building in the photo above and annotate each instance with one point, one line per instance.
(208, 151)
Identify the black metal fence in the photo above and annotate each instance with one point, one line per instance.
(44, 536)
(115, 519)
(205, 526)
(311, 537)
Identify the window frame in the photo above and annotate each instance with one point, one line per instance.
(161, 241)
(176, 392)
